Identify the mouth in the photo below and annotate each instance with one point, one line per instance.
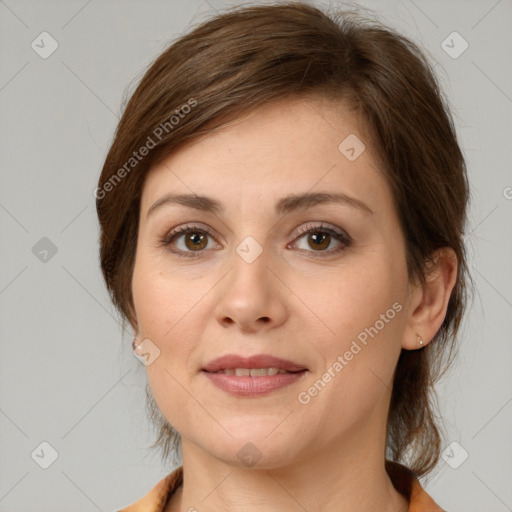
(252, 376)
(252, 372)
(254, 366)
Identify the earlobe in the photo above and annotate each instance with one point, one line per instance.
(135, 341)
(429, 302)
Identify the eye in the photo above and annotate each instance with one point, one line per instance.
(319, 237)
(190, 241)
(194, 240)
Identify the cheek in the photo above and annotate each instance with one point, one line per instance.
(160, 299)
(161, 310)
(163, 306)
(356, 364)
(173, 312)
(359, 317)
(345, 301)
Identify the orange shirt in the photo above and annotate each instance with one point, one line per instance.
(403, 479)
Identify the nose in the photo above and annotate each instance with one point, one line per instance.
(251, 296)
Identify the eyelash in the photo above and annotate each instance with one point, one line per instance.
(340, 236)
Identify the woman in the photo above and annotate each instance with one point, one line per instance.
(281, 217)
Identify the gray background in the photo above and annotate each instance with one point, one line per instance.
(67, 375)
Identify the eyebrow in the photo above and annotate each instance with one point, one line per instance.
(288, 204)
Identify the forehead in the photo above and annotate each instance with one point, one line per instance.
(288, 146)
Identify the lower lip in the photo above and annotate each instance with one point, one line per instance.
(253, 386)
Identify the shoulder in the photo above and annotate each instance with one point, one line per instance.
(156, 499)
(406, 482)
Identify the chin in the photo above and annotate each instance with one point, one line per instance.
(248, 452)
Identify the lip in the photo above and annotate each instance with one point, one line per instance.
(231, 361)
(252, 386)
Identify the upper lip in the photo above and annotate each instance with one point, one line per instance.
(232, 361)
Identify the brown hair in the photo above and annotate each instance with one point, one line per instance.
(250, 56)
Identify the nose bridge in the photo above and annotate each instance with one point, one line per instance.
(250, 295)
(250, 266)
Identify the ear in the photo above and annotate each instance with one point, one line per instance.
(428, 303)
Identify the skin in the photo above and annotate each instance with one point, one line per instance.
(328, 454)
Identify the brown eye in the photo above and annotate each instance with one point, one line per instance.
(188, 241)
(195, 240)
(319, 242)
(319, 238)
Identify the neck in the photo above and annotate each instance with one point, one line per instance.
(342, 479)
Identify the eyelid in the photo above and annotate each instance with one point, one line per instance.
(184, 229)
(320, 225)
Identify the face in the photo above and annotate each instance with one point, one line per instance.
(256, 268)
